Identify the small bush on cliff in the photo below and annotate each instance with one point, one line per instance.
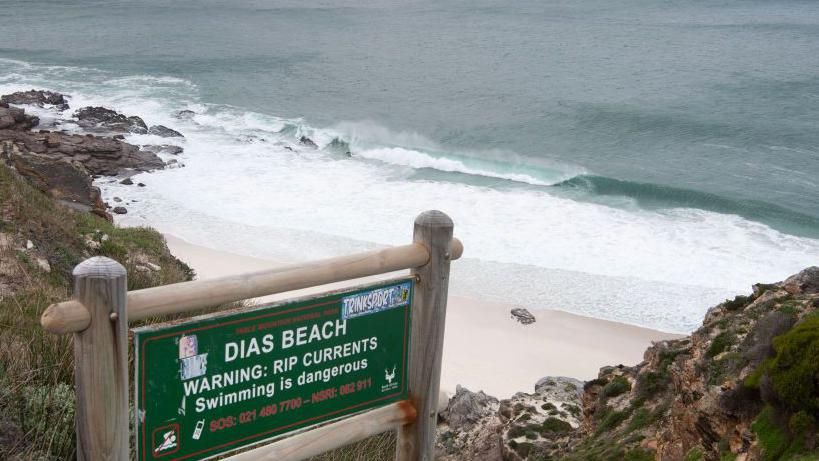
(618, 386)
(720, 343)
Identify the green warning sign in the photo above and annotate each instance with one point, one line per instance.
(221, 382)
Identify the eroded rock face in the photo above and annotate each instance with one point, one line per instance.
(12, 118)
(39, 98)
(63, 179)
(470, 428)
(525, 426)
(102, 119)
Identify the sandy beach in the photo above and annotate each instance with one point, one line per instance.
(485, 348)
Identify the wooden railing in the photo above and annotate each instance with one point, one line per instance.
(99, 313)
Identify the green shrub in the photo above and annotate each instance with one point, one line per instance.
(641, 419)
(651, 383)
(794, 369)
(554, 425)
(719, 344)
(639, 454)
(772, 439)
(800, 423)
(694, 454)
(617, 386)
(737, 303)
(611, 419)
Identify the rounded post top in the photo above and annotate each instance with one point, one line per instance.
(99, 267)
(434, 218)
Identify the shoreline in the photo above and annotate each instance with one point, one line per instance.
(484, 347)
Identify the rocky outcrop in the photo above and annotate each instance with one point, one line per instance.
(39, 98)
(12, 118)
(97, 155)
(536, 425)
(63, 165)
(107, 120)
(742, 387)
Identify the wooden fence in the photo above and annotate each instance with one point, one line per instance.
(99, 313)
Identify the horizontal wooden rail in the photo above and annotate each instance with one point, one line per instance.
(316, 441)
(72, 316)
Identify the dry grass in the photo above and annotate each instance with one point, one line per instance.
(36, 368)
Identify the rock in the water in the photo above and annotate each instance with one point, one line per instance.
(117, 199)
(305, 141)
(165, 132)
(12, 118)
(141, 184)
(523, 316)
(185, 114)
(120, 210)
(127, 182)
(39, 98)
(168, 149)
(104, 119)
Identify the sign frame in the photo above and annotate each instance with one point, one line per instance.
(300, 305)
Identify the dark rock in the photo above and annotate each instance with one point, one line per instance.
(305, 141)
(165, 132)
(141, 184)
(127, 182)
(37, 98)
(120, 210)
(12, 118)
(168, 149)
(104, 119)
(117, 199)
(119, 136)
(523, 316)
(185, 114)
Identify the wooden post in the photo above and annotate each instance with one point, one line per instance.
(101, 361)
(416, 442)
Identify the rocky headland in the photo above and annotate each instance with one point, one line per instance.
(63, 164)
(744, 387)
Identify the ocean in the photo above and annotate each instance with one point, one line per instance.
(635, 161)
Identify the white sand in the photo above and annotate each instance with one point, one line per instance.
(485, 349)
